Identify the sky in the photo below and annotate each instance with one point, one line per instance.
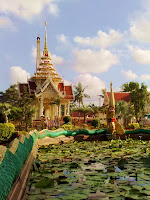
(90, 41)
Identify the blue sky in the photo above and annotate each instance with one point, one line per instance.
(91, 41)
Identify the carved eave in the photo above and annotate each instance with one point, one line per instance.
(48, 81)
(46, 58)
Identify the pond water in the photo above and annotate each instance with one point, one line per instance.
(115, 169)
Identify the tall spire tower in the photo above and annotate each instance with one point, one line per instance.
(45, 47)
(46, 53)
(44, 66)
(38, 53)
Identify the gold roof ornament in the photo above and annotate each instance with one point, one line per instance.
(112, 99)
(45, 47)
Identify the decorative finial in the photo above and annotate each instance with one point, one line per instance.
(45, 36)
(112, 99)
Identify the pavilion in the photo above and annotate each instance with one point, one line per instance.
(53, 96)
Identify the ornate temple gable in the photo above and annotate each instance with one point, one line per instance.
(49, 86)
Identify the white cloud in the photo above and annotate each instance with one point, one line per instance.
(94, 86)
(53, 9)
(145, 77)
(141, 56)
(5, 22)
(141, 30)
(130, 75)
(62, 38)
(34, 52)
(27, 9)
(56, 60)
(118, 89)
(67, 82)
(94, 61)
(18, 75)
(101, 40)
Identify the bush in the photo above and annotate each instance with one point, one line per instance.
(134, 125)
(103, 125)
(22, 132)
(6, 131)
(10, 126)
(141, 125)
(67, 119)
(95, 123)
(67, 126)
(85, 126)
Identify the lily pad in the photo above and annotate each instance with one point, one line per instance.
(45, 183)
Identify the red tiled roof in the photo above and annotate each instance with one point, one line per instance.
(61, 87)
(68, 90)
(32, 85)
(27, 85)
(76, 114)
(125, 96)
(69, 93)
(21, 86)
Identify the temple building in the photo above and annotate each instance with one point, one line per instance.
(53, 96)
(119, 96)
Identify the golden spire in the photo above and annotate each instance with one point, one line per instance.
(112, 99)
(45, 36)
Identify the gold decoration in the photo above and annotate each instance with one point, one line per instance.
(13, 146)
(3, 150)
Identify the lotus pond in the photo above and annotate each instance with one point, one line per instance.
(116, 169)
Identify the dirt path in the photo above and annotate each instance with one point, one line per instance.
(49, 140)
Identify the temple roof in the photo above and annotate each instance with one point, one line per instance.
(125, 96)
(31, 88)
(67, 91)
(23, 85)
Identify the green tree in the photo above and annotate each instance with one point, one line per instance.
(124, 110)
(27, 106)
(73, 107)
(11, 95)
(94, 109)
(15, 113)
(5, 110)
(79, 94)
(138, 96)
(104, 91)
(84, 109)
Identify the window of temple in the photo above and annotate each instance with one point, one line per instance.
(62, 110)
(66, 109)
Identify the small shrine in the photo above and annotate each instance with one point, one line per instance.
(53, 96)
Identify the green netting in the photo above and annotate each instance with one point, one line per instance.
(22, 153)
(72, 133)
(7, 174)
(138, 131)
(34, 136)
(11, 166)
(28, 143)
(54, 134)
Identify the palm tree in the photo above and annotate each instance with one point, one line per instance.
(95, 109)
(104, 91)
(84, 109)
(5, 109)
(79, 93)
(124, 110)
